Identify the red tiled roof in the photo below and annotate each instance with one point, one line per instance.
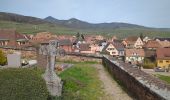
(118, 45)
(132, 38)
(163, 53)
(164, 43)
(152, 44)
(13, 36)
(134, 52)
(10, 34)
(84, 47)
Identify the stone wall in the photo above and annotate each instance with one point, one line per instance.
(139, 84)
(24, 53)
(72, 58)
(41, 61)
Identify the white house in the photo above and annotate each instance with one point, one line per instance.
(133, 42)
(134, 55)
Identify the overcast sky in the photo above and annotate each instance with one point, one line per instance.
(152, 13)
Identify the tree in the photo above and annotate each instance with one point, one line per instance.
(82, 37)
(78, 36)
(141, 36)
(3, 59)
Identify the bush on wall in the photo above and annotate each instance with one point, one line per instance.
(149, 64)
(3, 59)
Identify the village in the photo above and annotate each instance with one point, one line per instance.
(66, 63)
(84, 50)
(149, 53)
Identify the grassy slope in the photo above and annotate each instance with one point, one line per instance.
(121, 33)
(32, 29)
(22, 84)
(81, 83)
(164, 78)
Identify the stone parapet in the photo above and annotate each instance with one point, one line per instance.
(139, 84)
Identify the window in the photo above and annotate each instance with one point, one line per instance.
(167, 61)
(113, 52)
(3, 42)
(160, 61)
(110, 49)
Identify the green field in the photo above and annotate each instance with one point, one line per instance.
(81, 83)
(33, 29)
(22, 84)
(119, 32)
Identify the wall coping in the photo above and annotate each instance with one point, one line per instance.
(152, 83)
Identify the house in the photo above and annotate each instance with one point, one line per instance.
(146, 39)
(93, 38)
(114, 38)
(150, 49)
(114, 49)
(41, 36)
(120, 48)
(165, 42)
(99, 37)
(10, 38)
(162, 39)
(90, 38)
(66, 45)
(62, 37)
(133, 42)
(152, 45)
(85, 48)
(111, 39)
(134, 56)
(101, 44)
(163, 57)
(95, 48)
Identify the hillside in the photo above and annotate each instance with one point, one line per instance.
(20, 18)
(32, 25)
(75, 23)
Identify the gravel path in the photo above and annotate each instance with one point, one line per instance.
(112, 90)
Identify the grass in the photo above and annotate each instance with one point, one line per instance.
(22, 84)
(32, 29)
(81, 83)
(164, 78)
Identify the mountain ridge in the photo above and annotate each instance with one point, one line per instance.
(73, 22)
(31, 25)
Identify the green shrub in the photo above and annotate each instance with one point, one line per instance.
(148, 64)
(22, 84)
(3, 59)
